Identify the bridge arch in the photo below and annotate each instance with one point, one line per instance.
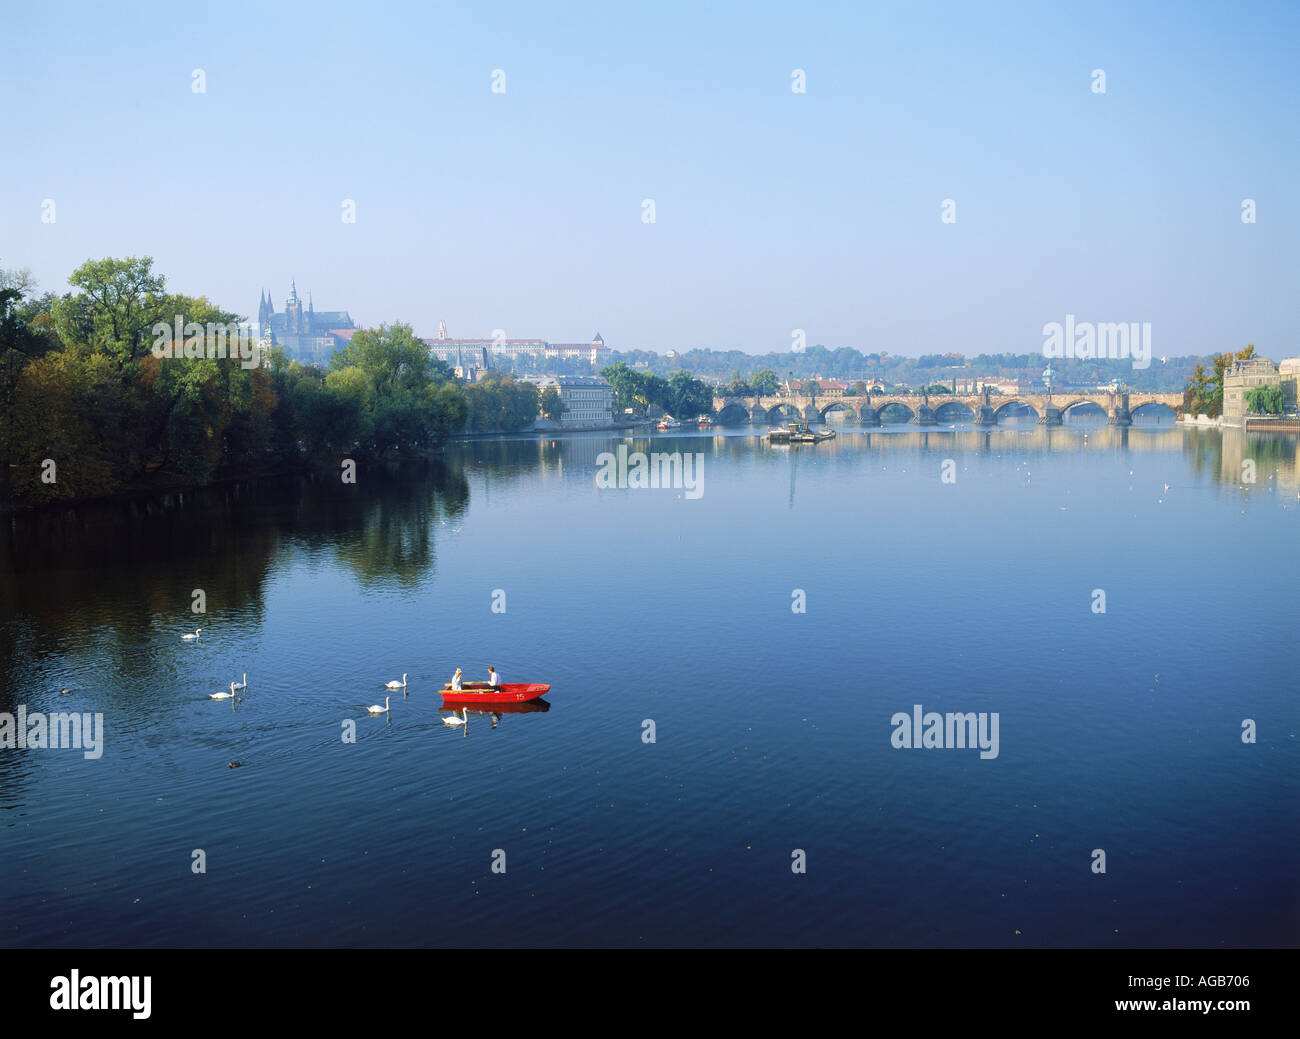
(953, 411)
(837, 405)
(888, 411)
(1082, 407)
(1154, 409)
(732, 413)
(1015, 402)
(779, 413)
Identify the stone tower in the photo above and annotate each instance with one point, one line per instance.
(293, 319)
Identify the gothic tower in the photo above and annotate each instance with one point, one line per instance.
(293, 323)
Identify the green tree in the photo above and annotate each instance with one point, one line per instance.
(389, 372)
(1200, 388)
(552, 404)
(687, 397)
(765, 382)
(1265, 400)
(501, 404)
(626, 384)
(1206, 391)
(115, 309)
(18, 345)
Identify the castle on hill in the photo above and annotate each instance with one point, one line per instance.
(306, 335)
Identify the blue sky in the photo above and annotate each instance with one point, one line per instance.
(774, 211)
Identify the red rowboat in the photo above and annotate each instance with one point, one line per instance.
(481, 692)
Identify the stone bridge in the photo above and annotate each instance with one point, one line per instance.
(980, 409)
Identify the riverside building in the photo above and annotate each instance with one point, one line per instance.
(588, 399)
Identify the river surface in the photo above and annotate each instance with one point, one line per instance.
(673, 613)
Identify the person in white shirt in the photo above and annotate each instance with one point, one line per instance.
(494, 679)
(455, 679)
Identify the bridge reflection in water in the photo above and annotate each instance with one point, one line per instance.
(1219, 455)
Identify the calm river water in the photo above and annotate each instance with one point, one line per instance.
(1119, 731)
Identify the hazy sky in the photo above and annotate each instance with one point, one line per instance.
(774, 210)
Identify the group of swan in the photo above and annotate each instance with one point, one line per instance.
(374, 708)
(453, 720)
(233, 685)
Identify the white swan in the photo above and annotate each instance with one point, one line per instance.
(453, 720)
(376, 709)
(396, 685)
(191, 638)
(240, 685)
(223, 696)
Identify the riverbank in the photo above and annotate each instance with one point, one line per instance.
(1247, 424)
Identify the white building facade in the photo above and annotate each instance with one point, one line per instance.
(588, 399)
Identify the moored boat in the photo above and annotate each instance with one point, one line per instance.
(799, 433)
(507, 692)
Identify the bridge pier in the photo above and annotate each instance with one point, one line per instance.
(1121, 416)
(924, 416)
(986, 416)
(1051, 416)
(870, 416)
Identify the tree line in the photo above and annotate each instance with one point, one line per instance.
(89, 408)
(850, 365)
(680, 395)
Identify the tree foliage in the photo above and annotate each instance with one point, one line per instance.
(500, 403)
(1204, 392)
(1265, 400)
(552, 404)
(88, 408)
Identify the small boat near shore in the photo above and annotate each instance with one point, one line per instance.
(481, 692)
(799, 433)
(668, 423)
